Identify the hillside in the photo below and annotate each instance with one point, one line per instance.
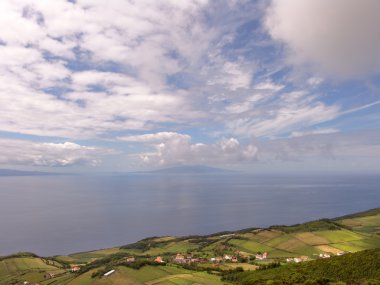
(354, 268)
(205, 259)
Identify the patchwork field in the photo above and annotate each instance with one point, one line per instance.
(341, 235)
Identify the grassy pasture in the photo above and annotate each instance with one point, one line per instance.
(311, 238)
(27, 268)
(339, 236)
(369, 224)
(250, 246)
(266, 235)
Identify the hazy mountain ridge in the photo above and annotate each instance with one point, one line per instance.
(191, 169)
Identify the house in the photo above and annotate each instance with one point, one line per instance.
(324, 255)
(340, 253)
(179, 258)
(297, 259)
(131, 259)
(217, 259)
(159, 259)
(227, 257)
(261, 256)
(234, 259)
(75, 269)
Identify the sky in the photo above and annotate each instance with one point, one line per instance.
(259, 86)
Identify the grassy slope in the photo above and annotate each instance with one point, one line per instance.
(357, 266)
(350, 233)
(25, 268)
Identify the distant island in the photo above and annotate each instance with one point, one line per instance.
(191, 169)
(12, 172)
(344, 250)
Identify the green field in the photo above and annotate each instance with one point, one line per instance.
(352, 233)
(27, 268)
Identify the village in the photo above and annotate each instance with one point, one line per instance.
(190, 259)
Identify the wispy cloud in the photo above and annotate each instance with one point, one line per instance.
(182, 81)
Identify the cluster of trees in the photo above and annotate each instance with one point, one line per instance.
(18, 255)
(354, 269)
(319, 225)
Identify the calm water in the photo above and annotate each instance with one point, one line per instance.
(66, 214)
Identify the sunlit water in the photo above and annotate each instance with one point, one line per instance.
(52, 215)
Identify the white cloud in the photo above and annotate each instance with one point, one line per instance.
(319, 147)
(175, 148)
(232, 75)
(340, 38)
(161, 136)
(43, 93)
(314, 132)
(22, 152)
(281, 114)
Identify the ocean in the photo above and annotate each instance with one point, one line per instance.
(51, 215)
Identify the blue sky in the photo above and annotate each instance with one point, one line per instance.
(259, 86)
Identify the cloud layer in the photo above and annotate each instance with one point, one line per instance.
(190, 82)
(340, 38)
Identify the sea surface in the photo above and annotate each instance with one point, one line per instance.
(51, 215)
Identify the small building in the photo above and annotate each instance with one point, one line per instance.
(75, 269)
(324, 255)
(297, 259)
(131, 259)
(261, 256)
(159, 259)
(227, 257)
(234, 259)
(109, 273)
(179, 258)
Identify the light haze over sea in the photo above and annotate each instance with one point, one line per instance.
(51, 215)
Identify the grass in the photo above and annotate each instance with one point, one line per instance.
(311, 238)
(24, 268)
(182, 246)
(339, 236)
(83, 279)
(250, 246)
(369, 224)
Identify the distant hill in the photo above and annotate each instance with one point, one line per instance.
(192, 169)
(12, 172)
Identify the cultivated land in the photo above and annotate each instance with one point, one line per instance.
(201, 259)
